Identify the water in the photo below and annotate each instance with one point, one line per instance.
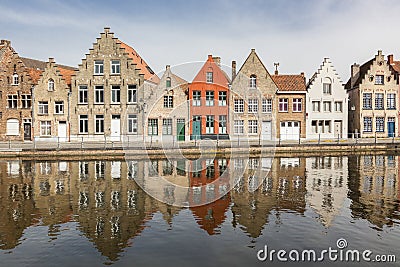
(94, 213)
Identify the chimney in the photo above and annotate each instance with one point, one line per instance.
(302, 74)
(5, 42)
(167, 67)
(276, 68)
(233, 69)
(390, 59)
(355, 73)
(217, 61)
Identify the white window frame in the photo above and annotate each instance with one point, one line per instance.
(297, 105)
(379, 101)
(115, 94)
(98, 93)
(99, 124)
(13, 100)
(367, 101)
(222, 122)
(167, 126)
(26, 100)
(43, 108)
(115, 66)
(380, 124)
(238, 126)
(15, 80)
(196, 98)
(283, 104)
(253, 126)
(379, 79)
(266, 105)
(168, 101)
(210, 124)
(222, 96)
(238, 105)
(316, 106)
(253, 105)
(132, 94)
(45, 128)
(338, 106)
(391, 101)
(98, 67)
(210, 95)
(83, 94)
(327, 106)
(50, 85)
(209, 77)
(152, 126)
(132, 124)
(83, 124)
(253, 81)
(367, 124)
(58, 107)
(327, 88)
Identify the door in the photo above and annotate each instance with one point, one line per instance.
(338, 129)
(196, 125)
(27, 131)
(290, 130)
(266, 131)
(391, 127)
(180, 127)
(115, 128)
(62, 131)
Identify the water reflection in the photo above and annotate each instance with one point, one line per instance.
(110, 208)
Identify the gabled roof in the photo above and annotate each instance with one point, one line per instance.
(290, 82)
(253, 52)
(66, 74)
(34, 67)
(140, 63)
(363, 70)
(219, 76)
(328, 63)
(396, 66)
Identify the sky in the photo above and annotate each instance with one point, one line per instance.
(298, 34)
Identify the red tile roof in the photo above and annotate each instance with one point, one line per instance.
(34, 74)
(290, 82)
(66, 73)
(396, 66)
(140, 63)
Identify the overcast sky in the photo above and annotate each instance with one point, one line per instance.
(296, 33)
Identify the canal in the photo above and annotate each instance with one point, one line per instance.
(206, 212)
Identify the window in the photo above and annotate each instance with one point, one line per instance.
(314, 126)
(132, 97)
(316, 106)
(253, 81)
(283, 104)
(367, 124)
(338, 106)
(12, 127)
(253, 105)
(267, 105)
(82, 94)
(238, 105)
(196, 98)
(297, 105)
(45, 128)
(59, 107)
(327, 88)
(209, 77)
(380, 124)
(99, 124)
(367, 101)
(222, 98)
(210, 98)
(50, 85)
(132, 124)
(98, 67)
(327, 106)
(26, 101)
(209, 124)
(379, 101)
(379, 79)
(43, 107)
(115, 67)
(238, 127)
(327, 126)
(153, 126)
(15, 80)
(222, 124)
(168, 101)
(167, 127)
(168, 82)
(99, 94)
(253, 126)
(83, 124)
(391, 101)
(115, 94)
(12, 101)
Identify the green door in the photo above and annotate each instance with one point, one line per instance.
(196, 125)
(180, 126)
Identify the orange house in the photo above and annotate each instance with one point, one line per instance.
(209, 96)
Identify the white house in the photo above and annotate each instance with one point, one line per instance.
(326, 104)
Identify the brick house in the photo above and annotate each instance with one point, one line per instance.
(107, 91)
(290, 111)
(326, 104)
(252, 100)
(373, 91)
(209, 97)
(51, 105)
(396, 68)
(18, 77)
(167, 110)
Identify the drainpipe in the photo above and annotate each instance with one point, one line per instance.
(33, 112)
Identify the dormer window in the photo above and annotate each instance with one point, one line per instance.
(253, 81)
(98, 67)
(168, 82)
(50, 85)
(15, 80)
(209, 76)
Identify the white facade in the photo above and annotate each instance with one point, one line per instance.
(326, 104)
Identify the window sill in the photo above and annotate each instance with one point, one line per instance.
(42, 114)
(83, 103)
(98, 103)
(115, 74)
(98, 74)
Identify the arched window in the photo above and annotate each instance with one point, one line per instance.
(15, 80)
(12, 127)
(168, 82)
(327, 86)
(51, 85)
(253, 81)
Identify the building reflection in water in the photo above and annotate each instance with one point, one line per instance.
(107, 199)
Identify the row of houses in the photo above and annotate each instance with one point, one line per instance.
(115, 94)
